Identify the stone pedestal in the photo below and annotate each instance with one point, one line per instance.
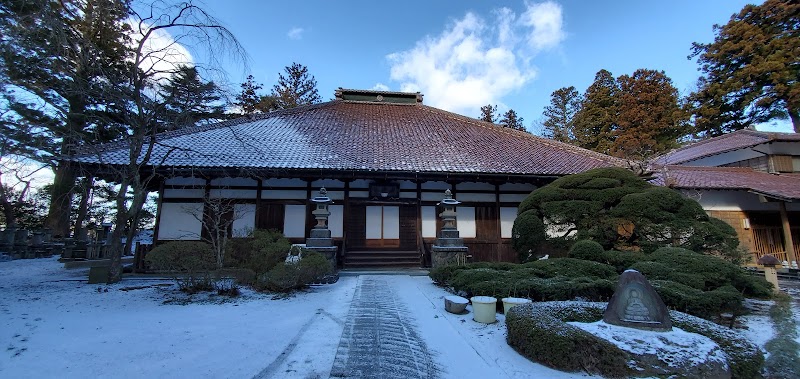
(319, 239)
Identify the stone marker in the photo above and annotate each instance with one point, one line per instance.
(635, 304)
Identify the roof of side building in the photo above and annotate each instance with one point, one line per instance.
(739, 139)
(779, 186)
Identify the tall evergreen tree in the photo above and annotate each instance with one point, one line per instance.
(59, 58)
(560, 114)
(488, 112)
(250, 101)
(511, 120)
(751, 70)
(596, 120)
(650, 119)
(296, 88)
(189, 100)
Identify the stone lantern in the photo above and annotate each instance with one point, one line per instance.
(320, 239)
(770, 262)
(449, 247)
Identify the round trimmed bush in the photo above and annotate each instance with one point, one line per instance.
(528, 234)
(587, 249)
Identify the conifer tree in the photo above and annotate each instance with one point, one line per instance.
(650, 119)
(189, 100)
(751, 70)
(596, 120)
(296, 88)
(488, 113)
(560, 114)
(250, 101)
(511, 120)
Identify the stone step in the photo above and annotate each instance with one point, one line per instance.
(381, 259)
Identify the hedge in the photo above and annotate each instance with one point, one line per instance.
(540, 332)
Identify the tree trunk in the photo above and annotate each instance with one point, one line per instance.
(83, 208)
(794, 114)
(61, 199)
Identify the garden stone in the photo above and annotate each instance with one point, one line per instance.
(455, 304)
(635, 304)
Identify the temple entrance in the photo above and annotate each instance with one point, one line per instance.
(381, 235)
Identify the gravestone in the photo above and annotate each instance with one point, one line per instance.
(635, 304)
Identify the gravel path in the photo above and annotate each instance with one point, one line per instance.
(379, 340)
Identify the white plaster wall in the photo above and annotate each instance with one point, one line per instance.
(374, 222)
(232, 194)
(327, 183)
(359, 193)
(433, 196)
(185, 181)
(730, 201)
(244, 219)
(170, 193)
(507, 217)
(428, 221)
(512, 197)
(391, 222)
(517, 187)
(359, 183)
(407, 184)
(284, 194)
(180, 221)
(408, 195)
(476, 197)
(725, 158)
(294, 221)
(436, 185)
(475, 186)
(234, 182)
(283, 182)
(336, 220)
(465, 222)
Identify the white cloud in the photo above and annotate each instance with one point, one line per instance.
(380, 87)
(547, 23)
(474, 62)
(295, 33)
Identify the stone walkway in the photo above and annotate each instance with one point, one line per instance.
(379, 339)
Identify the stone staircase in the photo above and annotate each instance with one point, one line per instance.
(381, 259)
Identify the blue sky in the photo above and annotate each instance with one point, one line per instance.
(464, 54)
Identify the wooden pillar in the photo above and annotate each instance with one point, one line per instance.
(787, 235)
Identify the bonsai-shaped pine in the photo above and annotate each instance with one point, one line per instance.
(621, 211)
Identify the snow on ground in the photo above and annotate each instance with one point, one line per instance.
(53, 324)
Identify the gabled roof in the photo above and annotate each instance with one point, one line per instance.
(779, 186)
(739, 139)
(361, 136)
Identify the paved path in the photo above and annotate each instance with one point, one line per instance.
(379, 339)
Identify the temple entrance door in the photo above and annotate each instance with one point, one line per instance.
(382, 226)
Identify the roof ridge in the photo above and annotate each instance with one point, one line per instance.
(559, 145)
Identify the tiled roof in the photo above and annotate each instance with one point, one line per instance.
(732, 141)
(368, 136)
(785, 187)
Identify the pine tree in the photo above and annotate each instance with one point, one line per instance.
(560, 114)
(488, 113)
(596, 120)
(250, 101)
(296, 88)
(751, 70)
(189, 100)
(60, 58)
(650, 119)
(511, 120)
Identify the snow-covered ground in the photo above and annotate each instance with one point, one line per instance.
(53, 324)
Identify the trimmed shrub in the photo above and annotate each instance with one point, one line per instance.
(587, 250)
(528, 234)
(261, 252)
(189, 262)
(285, 277)
(540, 332)
(571, 268)
(744, 358)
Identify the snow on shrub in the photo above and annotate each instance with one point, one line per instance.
(540, 332)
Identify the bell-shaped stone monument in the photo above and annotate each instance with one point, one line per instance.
(635, 304)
